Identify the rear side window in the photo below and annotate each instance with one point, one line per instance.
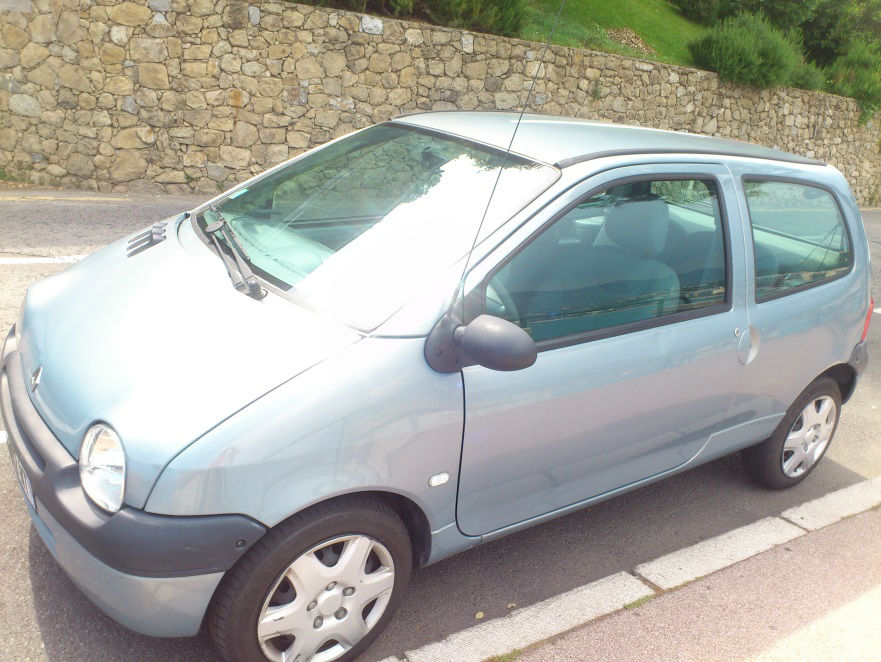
(799, 236)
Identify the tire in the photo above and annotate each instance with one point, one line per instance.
(327, 542)
(778, 464)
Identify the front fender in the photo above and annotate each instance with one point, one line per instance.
(373, 417)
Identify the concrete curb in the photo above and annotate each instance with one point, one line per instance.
(836, 505)
(536, 622)
(686, 565)
(530, 625)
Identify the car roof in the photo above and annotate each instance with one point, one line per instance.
(565, 141)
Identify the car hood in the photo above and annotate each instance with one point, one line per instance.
(160, 346)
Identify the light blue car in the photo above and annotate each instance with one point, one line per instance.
(263, 413)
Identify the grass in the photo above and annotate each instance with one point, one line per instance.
(507, 657)
(8, 176)
(638, 603)
(583, 24)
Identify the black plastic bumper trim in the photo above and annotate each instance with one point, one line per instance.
(859, 357)
(131, 541)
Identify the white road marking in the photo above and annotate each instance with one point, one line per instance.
(56, 198)
(2, 436)
(836, 505)
(537, 622)
(716, 553)
(61, 259)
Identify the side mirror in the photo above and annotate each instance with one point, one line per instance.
(489, 341)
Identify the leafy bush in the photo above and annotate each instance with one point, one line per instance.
(747, 49)
(857, 74)
(808, 76)
(504, 17)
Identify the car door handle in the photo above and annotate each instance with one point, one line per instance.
(748, 345)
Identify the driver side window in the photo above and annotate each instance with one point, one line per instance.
(631, 253)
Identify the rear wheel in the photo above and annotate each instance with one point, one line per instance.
(319, 587)
(800, 440)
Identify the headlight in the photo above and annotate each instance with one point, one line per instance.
(102, 467)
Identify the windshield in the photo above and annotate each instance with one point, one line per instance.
(356, 228)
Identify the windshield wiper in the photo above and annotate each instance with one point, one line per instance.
(247, 281)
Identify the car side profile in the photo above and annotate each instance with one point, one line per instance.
(260, 415)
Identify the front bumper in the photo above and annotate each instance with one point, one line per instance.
(154, 574)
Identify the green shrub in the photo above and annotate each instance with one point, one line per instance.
(857, 74)
(504, 17)
(747, 49)
(808, 76)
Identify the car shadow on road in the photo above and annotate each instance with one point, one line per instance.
(494, 578)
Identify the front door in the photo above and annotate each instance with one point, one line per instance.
(633, 291)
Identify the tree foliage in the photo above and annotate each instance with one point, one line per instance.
(783, 14)
(706, 12)
(834, 24)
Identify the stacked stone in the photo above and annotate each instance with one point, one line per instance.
(195, 95)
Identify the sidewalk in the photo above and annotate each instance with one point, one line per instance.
(817, 597)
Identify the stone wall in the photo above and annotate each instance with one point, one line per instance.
(188, 95)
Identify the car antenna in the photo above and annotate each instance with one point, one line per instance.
(460, 286)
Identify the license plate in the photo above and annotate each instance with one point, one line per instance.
(23, 479)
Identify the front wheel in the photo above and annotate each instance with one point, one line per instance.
(800, 440)
(320, 587)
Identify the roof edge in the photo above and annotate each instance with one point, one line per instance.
(783, 157)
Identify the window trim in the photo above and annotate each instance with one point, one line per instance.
(639, 325)
(808, 183)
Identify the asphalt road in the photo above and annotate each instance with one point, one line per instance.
(42, 615)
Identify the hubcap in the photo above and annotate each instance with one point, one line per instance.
(326, 601)
(809, 436)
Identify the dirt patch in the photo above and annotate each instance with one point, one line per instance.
(627, 37)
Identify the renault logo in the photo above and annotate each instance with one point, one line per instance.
(35, 378)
